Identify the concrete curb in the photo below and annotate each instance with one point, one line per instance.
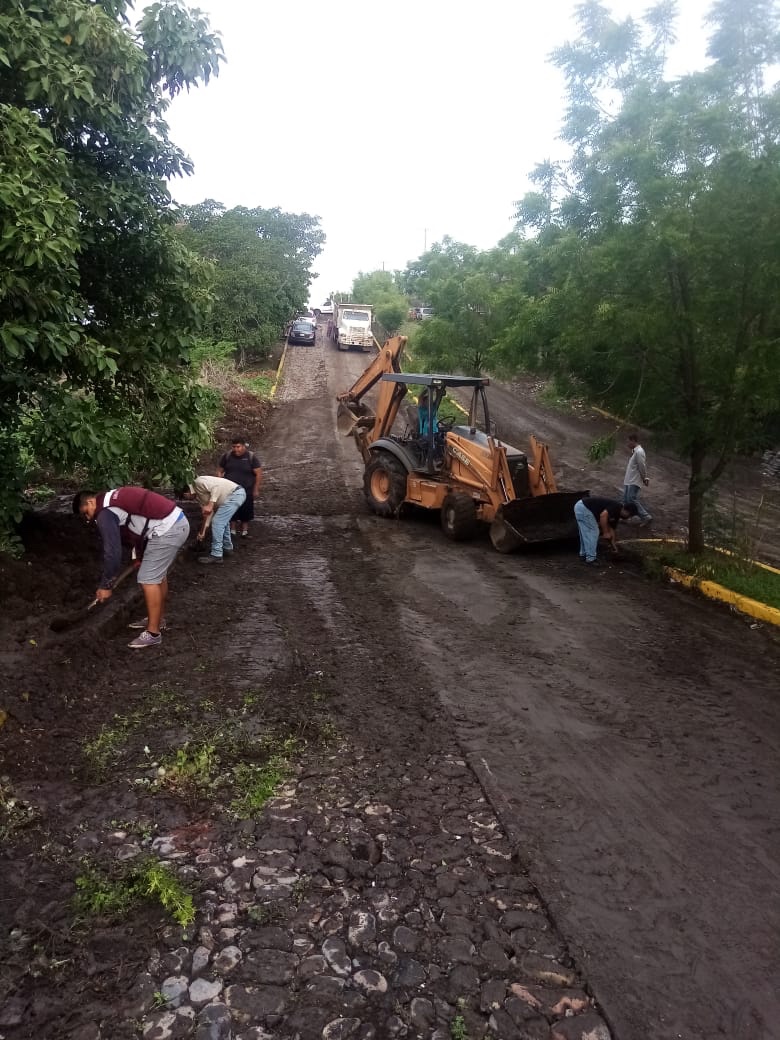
(711, 589)
(279, 368)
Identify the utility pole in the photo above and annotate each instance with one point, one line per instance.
(425, 240)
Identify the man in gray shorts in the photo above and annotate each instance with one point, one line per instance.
(151, 524)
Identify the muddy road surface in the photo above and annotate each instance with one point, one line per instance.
(630, 733)
(518, 788)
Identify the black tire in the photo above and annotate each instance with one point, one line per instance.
(384, 484)
(459, 517)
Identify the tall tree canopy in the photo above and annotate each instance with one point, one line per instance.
(262, 268)
(98, 300)
(380, 290)
(461, 285)
(660, 238)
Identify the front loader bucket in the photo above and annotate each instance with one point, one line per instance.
(349, 415)
(530, 521)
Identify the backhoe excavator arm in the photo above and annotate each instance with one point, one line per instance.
(387, 360)
(356, 418)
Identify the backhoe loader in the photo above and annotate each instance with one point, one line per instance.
(461, 470)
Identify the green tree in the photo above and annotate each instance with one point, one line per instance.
(658, 266)
(379, 289)
(460, 284)
(98, 301)
(262, 268)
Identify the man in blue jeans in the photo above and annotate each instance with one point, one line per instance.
(636, 478)
(219, 499)
(599, 517)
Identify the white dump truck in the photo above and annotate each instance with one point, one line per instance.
(350, 326)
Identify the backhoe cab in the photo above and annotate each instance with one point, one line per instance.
(461, 470)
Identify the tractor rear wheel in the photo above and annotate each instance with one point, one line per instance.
(459, 516)
(384, 484)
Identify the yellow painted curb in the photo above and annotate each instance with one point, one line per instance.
(711, 589)
(279, 371)
(608, 415)
(713, 548)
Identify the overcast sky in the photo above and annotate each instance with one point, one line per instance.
(395, 123)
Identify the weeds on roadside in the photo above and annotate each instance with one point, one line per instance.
(256, 783)
(267, 913)
(300, 890)
(103, 750)
(260, 384)
(103, 895)
(458, 1029)
(191, 770)
(602, 448)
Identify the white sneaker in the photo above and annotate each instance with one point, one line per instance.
(145, 639)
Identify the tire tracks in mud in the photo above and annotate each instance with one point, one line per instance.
(628, 736)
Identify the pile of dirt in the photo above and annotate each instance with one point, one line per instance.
(245, 413)
(61, 560)
(56, 572)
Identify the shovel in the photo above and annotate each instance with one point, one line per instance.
(59, 624)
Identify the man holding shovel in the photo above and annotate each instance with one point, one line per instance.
(151, 524)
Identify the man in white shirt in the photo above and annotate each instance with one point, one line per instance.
(636, 478)
(219, 499)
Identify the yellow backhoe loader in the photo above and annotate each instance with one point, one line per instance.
(462, 470)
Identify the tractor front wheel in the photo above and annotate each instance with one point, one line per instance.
(459, 517)
(384, 484)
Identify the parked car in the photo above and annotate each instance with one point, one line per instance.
(426, 312)
(302, 331)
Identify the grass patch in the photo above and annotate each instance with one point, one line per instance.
(228, 763)
(99, 894)
(254, 784)
(458, 1029)
(102, 753)
(191, 770)
(560, 398)
(104, 750)
(733, 573)
(261, 384)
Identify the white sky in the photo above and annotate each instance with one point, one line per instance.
(395, 123)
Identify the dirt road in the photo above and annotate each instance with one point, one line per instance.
(626, 733)
(630, 732)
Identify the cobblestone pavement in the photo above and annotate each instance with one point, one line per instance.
(347, 917)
